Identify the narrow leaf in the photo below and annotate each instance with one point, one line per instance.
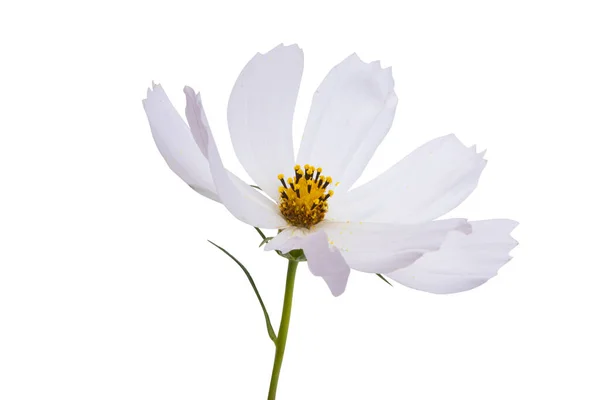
(265, 241)
(262, 305)
(262, 235)
(385, 280)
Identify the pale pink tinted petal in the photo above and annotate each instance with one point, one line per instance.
(428, 183)
(464, 261)
(323, 260)
(243, 201)
(176, 144)
(326, 262)
(351, 112)
(260, 113)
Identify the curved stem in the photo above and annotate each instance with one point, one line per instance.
(283, 328)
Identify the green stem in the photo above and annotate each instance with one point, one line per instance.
(283, 328)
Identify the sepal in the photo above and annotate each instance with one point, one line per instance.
(294, 255)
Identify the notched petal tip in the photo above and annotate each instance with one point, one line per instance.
(452, 139)
(510, 226)
(386, 72)
(375, 64)
(156, 92)
(290, 46)
(154, 87)
(193, 94)
(281, 48)
(382, 77)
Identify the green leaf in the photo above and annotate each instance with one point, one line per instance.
(262, 305)
(262, 235)
(265, 241)
(385, 280)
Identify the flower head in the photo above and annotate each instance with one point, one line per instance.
(387, 226)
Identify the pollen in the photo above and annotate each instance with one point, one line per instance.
(303, 196)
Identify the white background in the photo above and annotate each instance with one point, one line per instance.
(109, 290)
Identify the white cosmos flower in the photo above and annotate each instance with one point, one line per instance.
(385, 226)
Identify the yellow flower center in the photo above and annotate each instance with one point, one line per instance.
(303, 200)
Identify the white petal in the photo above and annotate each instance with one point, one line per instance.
(287, 240)
(260, 113)
(426, 184)
(464, 261)
(351, 112)
(382, 248)
(176, 144)
(323, 260)
(243, 201)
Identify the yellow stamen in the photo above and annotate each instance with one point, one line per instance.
(303, 202)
